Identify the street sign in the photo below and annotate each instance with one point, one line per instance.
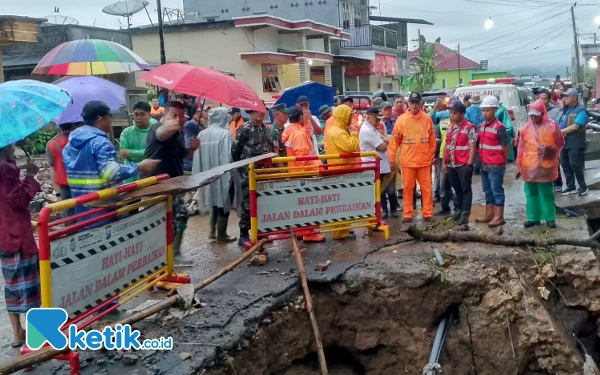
(483, 64)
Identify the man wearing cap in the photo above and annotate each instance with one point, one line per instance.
(459, 157)
(280, 117)
(252, 139)
(325, 113)
(236, 120)
(372, 140)
(572, 120)
(414, 133)
(387, 112)
(493, 153)
(298, 143)
(90, 158)
(311, 122)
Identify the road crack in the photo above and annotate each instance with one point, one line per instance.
(471, 340)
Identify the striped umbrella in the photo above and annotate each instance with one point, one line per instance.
(87, 57)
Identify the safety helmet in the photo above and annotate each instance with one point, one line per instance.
(490, 102)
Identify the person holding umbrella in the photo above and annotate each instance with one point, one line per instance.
(25, 107)
(18, 250)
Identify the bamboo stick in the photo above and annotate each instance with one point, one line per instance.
(309, 305)
(47, 353)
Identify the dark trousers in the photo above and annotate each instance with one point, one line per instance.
(460, 178)
(445, 190)
(438, 179)
(573, 163)
(559, 181)
(389, 194)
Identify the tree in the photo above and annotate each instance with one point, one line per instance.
(424, 78)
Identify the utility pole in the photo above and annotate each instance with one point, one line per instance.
(578, 75)
(458, 65)
(161, 34)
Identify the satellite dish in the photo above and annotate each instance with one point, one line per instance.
(126, 9)
(58, 19)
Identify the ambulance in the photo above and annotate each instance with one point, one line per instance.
(509, 97)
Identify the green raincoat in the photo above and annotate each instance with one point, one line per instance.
(504, 117)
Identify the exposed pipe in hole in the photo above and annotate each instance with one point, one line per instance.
(442, 331)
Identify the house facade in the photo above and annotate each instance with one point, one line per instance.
(364, 56)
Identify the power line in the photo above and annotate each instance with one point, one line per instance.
(532, 54)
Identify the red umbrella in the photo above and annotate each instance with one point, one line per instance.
(206, 83)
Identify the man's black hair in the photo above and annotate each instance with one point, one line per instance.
(142, 106)
(69, 126)
(398, 96)
(174, 104)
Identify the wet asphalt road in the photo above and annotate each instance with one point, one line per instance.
(239, 299)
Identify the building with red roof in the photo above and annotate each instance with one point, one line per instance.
(450, 65)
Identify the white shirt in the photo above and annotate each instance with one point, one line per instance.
(312, 133)
(370, 139)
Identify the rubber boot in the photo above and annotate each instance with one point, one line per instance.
(222, 230)
(213, 224)
(464, 218)
(489, 215)
(177, 257)
(498, 217)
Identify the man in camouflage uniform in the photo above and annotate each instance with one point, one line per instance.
(252, 139)
(280, 117)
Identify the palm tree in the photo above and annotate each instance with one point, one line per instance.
(424, 78)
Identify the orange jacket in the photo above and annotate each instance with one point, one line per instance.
(234, 126)
(298, 143)
(416, 138)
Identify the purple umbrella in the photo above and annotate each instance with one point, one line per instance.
(86, 88)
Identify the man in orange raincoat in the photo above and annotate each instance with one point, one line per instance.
(341, 138)
(298, 142)
(540, 144)
(413, 131)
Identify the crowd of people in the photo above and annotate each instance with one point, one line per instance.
(457, 139)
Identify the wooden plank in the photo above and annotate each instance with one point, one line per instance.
(183, 184)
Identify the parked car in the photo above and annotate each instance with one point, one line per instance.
(510, 96)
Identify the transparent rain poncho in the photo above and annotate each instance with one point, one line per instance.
(539, 148)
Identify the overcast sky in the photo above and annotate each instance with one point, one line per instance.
(534, 33)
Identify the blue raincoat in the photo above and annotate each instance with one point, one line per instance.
(475, 116)
(91, 163)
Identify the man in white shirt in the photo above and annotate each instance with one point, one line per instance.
(372, 140)
(311, 121)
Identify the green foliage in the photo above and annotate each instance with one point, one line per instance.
(424, 79)
(151, 92)
(35, 144)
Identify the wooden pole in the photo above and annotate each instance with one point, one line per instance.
(309, 305)
(47, 353)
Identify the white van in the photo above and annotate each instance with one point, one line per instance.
(509, 97)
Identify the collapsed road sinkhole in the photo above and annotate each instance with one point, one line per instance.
(510, 311)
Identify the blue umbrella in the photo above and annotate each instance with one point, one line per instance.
(26, 106)
(86, 88)
(317, 94)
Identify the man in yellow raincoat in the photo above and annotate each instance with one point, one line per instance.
(414, 133)
(540, 144)
(341, 138)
